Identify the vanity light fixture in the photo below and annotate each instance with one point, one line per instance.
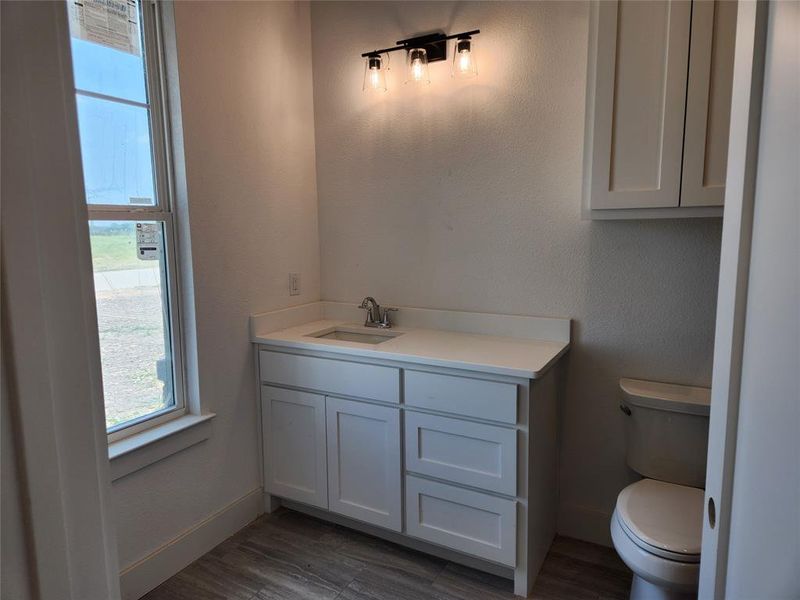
(420, 51)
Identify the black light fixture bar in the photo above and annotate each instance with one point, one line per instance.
(434, 43)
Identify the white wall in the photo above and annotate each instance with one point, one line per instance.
(245, 79)
(467, 196)
(764, 546)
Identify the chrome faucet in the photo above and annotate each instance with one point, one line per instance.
(376, 316)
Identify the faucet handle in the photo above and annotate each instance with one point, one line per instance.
(385, 319)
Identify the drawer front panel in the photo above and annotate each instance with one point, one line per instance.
(477, 398)
(466, 521)
(475, 454)
(331, 376)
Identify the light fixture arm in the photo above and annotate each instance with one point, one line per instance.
(434, 43)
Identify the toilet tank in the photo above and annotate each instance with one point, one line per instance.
(667, 430)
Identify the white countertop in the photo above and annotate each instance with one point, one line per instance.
(526, 358)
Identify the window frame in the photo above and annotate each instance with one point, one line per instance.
(162, 211)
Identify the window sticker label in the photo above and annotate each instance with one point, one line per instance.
(148, 241)
(112, 23)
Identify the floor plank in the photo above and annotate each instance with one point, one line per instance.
(291, 556)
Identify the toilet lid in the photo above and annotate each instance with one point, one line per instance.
(664, 516)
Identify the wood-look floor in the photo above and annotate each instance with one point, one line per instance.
(290, 556)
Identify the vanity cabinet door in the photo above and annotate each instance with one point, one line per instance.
(293, 425)
(364, 469)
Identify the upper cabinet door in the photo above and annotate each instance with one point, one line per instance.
(638, 60)
(708, 102)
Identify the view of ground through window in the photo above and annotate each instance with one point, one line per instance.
(130, 322)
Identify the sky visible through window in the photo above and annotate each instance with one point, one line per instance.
(115, 136)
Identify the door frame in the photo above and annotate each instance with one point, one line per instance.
(50, 347)
(737, 230)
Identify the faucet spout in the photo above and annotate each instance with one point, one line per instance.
(376, 317)
(373, 310)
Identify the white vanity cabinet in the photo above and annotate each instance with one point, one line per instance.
(459, 463)
(334, 454)
(658, 107)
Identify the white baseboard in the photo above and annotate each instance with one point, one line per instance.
(161, 564)
(584, 523)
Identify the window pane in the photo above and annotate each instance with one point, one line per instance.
(132, 318)
(107, 48)
(107, 71)
(116, 151)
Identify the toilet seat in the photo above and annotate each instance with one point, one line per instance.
(664, 519)
(675, 577)
(654, 550)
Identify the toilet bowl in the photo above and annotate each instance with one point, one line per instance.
(658, 521)
(656, 529)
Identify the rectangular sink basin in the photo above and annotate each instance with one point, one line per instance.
(348, 335)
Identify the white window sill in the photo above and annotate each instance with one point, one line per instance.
(157, 443)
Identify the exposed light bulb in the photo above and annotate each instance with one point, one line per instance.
(416, 69)
(417, 66)
(464, 64)
(464, 61)
(374, 75)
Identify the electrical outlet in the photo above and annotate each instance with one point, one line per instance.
(294, 284)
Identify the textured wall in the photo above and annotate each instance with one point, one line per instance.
(245, 77)
(467, 196)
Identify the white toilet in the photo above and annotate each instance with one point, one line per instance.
(657, 523)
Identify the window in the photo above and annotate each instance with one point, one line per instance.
(116, 56)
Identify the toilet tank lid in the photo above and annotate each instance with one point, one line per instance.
(667, 396)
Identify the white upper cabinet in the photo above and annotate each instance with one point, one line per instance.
(657, 108)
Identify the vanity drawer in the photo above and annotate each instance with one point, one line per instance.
(491, 400)
(336, 377)
(466, 521)
(474, 454)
